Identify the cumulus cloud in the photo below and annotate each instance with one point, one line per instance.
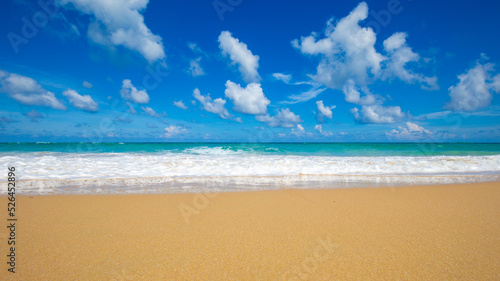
(473, 90)
(284, 118)
(319, 128)
(347, 51)
(130, 93)
(27, 91)
(324, 111)
(174, 131)
(286, 78)
(249, 100)
(149, 111)
(411, 131)
(195, 67)
(216, 106)
(495, 84)
(240, 55)
(120, 23)
(399, 55)
(352, 94)
(85, 102)
(378, 114)
(180, 104)
(298, 131)
(350, 62)
(87, 85)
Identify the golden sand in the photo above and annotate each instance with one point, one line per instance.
(447, 232)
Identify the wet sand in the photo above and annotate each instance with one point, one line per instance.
(445, 232)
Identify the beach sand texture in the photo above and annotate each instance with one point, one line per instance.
(446, 232)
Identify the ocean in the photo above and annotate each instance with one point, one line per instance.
(83, 168)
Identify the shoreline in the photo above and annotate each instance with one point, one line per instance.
(426, 232)
(172, 185)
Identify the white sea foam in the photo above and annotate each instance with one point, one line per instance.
(51, 165)
(222, 164)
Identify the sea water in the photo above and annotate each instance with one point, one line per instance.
(194, 167)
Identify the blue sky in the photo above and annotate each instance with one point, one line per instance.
(239, 70)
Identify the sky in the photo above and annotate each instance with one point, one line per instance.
(249, 71)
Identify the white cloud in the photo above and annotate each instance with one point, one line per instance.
(319, 128)
(305, 96)
(395, 42)
(324, 111)
(347, 51)
(350, 62)
(174, 131)
(149, 111)
(120, 23)
(131, 109)
(180, 104)
(298, 131)
(412, 131)
(284, 118)
(286, 78)
(130, 93)
(195, 67)
(491, 111)
(249, 100)
(196, 49)
(238, 119)
(87, 85)
(378, 114)
(240, 55)
(216, 106)
(352, 94)
(399, 55)
(473, 90)
(495, 84)
(85, 102)
(27, 91)
(432, 115)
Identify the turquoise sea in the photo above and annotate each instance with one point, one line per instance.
(194, 167)
(303, 149)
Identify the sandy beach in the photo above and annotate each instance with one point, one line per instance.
(445, 232)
